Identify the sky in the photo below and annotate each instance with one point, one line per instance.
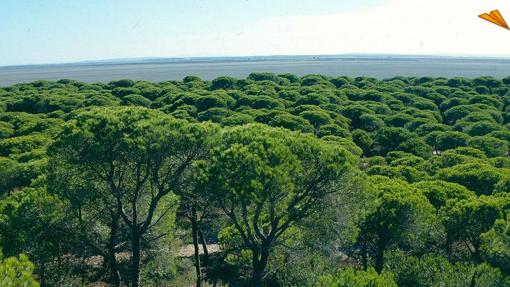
(59, 31)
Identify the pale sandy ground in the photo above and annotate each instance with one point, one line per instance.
(188, 250)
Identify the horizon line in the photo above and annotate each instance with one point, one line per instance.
(141, 59)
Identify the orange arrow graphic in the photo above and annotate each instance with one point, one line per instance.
(495, 17)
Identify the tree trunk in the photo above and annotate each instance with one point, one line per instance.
(113, 268)
(136, 246)
(476, 254)
(364, 258)
(473, 279)
(259, 266)
(194, 231)
(256, 276)
(449, 247)
(204, 247)
(112, 260)
(43, 274)
(379, 257)
(59, 256)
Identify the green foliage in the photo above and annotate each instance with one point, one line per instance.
(441, 193)
(21, 144)
(496, 245)
(16, 272)
(266, 180)
(9, 175)
(467, 219)
(445, 140)
(136, 100)
(490, 276)
(434, 270)
(492, 147)
(429, 270)
(442, 145)
(402, 217)
(6, 130)
(134, 158)
(480, 178)
(482, 128)
(216, 100)
(223, 83)
(35, 223)
(350, 277)
(417, 147)
(406, 173)
(388, 138)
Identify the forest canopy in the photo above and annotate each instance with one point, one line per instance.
(271, 180)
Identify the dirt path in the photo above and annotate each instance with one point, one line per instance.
(189, 250)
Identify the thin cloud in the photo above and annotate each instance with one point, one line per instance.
(398, 27)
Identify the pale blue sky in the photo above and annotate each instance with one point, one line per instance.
(49, 31)
(57, 31)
